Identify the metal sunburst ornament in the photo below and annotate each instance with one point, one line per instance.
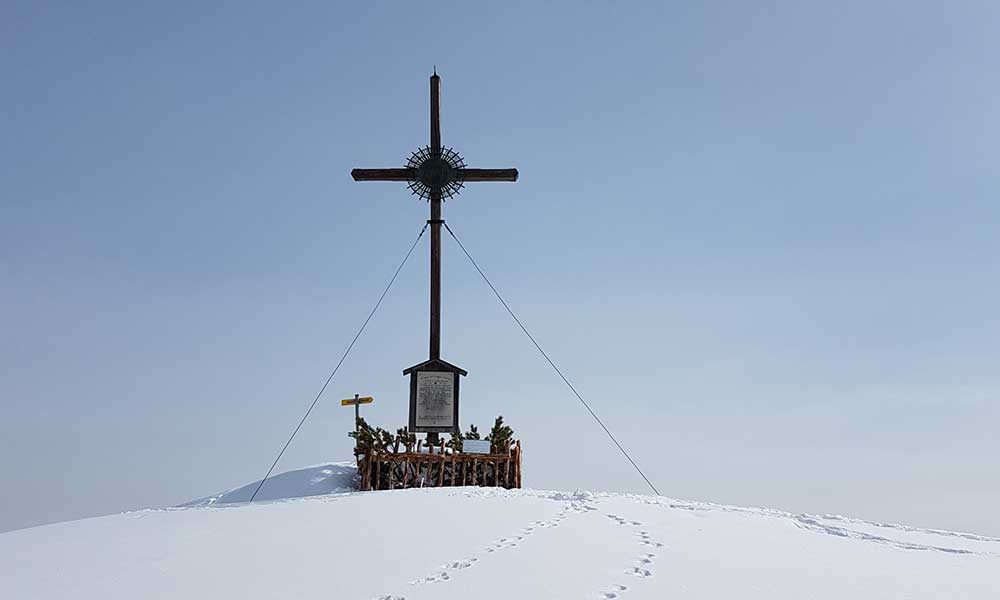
(431, 172)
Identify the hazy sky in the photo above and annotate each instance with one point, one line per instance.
(762, 239)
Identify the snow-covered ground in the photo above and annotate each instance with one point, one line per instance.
(484, 543)
(333, 478)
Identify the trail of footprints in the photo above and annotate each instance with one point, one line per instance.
(641, 567)
(642, 564)
(449, 570)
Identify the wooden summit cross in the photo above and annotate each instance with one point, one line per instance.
(434, 173)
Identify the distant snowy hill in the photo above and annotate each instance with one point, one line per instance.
(331, 478)
(461, 543)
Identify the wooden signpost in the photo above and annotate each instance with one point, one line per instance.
(356, 402)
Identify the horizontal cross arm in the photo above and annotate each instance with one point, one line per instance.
(381, 174)
(408, 174)
(490, 174)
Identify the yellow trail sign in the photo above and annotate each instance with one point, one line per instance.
(353, 401)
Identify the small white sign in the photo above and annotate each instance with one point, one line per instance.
(475, 447)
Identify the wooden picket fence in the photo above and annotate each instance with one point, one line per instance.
(436, 467)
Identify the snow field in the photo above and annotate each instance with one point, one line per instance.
(486, 543)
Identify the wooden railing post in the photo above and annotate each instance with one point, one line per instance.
(444, 459)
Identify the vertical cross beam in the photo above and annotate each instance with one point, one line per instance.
(435, 114)
(412, 173)
(435, 201)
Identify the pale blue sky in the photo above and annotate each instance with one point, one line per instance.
(760, 237)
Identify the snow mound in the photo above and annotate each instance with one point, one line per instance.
(486, 543)
(330, 478)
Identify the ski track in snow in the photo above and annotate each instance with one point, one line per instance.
(813, 523)
(820, 524)
(908, 529)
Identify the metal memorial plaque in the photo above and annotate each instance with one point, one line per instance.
(475, 446)
(435, 400)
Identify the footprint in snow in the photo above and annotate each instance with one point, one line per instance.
(500, 546)
(638, 572)
(645, 540)
(442, 576)
(623, 520)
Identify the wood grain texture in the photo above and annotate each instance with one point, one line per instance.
(381, 174)
(435, 113)
(489, 174)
